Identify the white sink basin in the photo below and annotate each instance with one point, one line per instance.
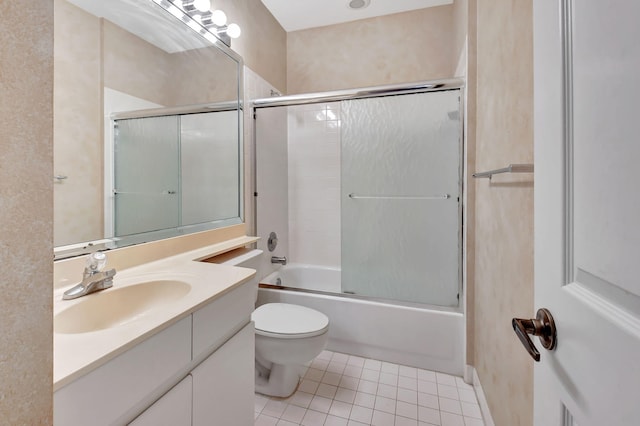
(118, 306)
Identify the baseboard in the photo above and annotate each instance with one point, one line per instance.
(470, 372)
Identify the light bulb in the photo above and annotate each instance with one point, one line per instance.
(233, 30)
(202, 5)
(219, 18)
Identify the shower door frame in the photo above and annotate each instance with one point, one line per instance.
(375, 92)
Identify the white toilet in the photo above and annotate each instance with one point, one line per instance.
(287, 337)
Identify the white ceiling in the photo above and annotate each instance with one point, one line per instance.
(296, 15)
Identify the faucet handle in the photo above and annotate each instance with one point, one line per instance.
(96, 262)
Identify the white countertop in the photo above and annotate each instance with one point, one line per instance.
(77, 354)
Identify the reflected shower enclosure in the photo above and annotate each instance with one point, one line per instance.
(174, 171)
(372, 189)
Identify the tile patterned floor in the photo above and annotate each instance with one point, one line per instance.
(346, 390)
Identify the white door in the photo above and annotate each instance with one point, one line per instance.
(587, 210)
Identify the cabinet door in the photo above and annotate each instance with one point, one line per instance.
(173, 409)
(223, 385)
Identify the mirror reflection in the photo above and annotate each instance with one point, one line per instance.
(147, 127)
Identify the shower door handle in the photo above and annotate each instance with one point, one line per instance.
(542, 326)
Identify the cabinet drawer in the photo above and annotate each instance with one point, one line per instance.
(173, 409)
(104, 395)
(218, 321)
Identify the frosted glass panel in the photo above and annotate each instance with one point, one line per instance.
(397, 242)
(146, 170)
(210, 174)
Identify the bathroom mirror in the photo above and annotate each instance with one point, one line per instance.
(147, 127)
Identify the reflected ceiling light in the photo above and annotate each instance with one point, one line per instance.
(234, 30)
(202, 5)
(358, 4)
(197, 14)
(219, 18)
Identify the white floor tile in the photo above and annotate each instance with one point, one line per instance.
(448, 392)
(356, 360)
(335, 421)
(293, 413)
(353, 371)
(408, 372)
(263, 420)
(387, 391)
(308, 386)
(371, 375)
(450, 405)
(407, 395)
(428, 400)
(314, 374)
(449, 419)
(361, 414)
(429, 415)
(380, 418)
(349, 382)
(372, 364)
(408, 383)
(427, 387)
(345, 395)
(365, 400)
(405, 409)
(320, 403)
(341, 358)
(389, 379)
(346, 390)
(471, 410)
(340, 409)
(328, 391)
(388, 367)
(467, 395)
(387, 405)
(403, 421)
(336, 367)
(301, 399)
(367, 386)
(274, 408)
(470, 421)
(313, 418)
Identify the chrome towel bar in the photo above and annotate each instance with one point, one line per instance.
(398, 197)
(511, 168)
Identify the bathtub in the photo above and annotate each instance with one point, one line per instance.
(419, 336)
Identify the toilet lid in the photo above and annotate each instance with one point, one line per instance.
(289, 321)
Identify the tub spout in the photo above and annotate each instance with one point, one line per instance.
(282, 260)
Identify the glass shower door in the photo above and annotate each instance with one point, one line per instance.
(400, 197)
(146, 175)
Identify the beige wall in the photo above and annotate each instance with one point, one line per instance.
(263, 43)
(26, 132)
(504, 207)
(398, 48)
(77, 125)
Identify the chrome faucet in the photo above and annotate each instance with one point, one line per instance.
(279, 259)
(93, 279)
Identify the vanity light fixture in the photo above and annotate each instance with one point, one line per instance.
(202, 18)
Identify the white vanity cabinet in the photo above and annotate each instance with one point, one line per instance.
(173, 409)
(223, 384)
(198, 371)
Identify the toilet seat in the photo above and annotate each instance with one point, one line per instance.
(286, 321)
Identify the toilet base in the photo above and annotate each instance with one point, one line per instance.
(282, 381)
